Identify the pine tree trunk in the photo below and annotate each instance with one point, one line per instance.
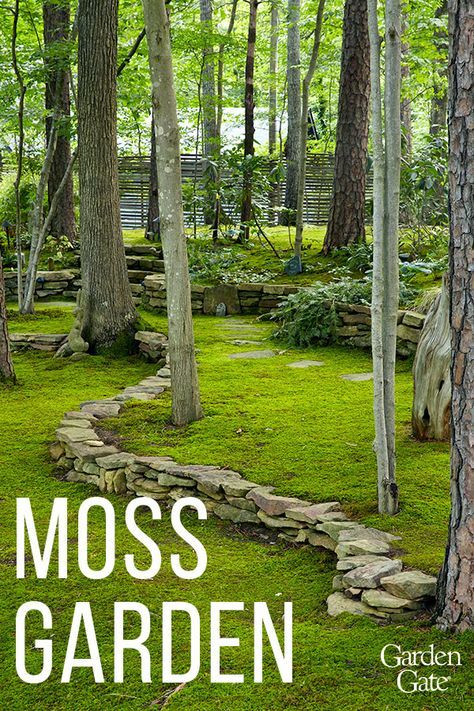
(106, 299)
(153, 215)
(304, 132)
(431, 374)
(456, 581)
(439, 102)
(346, 223)
(249, 150)
(273, 68)
(186, 406)
(56, 27)
(7, 373)
(293, 78)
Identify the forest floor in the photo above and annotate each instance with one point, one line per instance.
(305, 430)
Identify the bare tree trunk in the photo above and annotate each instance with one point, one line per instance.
(185, 392)
(249, 150)
(431, 377)
(106, 299)
(208, 90)
(56, 22)
(347, 212)
(456, 581)
(7, 373)
(385, 239)
(273, 68)
(439, 102)
(20, 149)
(153, 216)
(220, 75)
(293, 74)
(304, 131)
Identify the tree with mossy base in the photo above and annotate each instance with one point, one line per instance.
(7, 373)
(108, 311)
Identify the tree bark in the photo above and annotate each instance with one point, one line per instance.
(56, 28)
(7, 373)
(273, 68)
(304, 131)
(439, 102)
(385, 244)
(220, 75)
(456, 581)
(186, 406)
(153, 216)
(106, 299)
(208, 88)
(431, 373)
(346, 223)
(293, 79)
(249, 150)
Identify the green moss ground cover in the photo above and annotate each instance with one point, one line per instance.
(317, 448)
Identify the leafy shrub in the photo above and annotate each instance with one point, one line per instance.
(358, 257)
(309, 316)
(8, 202)
(220, 264)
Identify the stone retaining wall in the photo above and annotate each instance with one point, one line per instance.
(370, 581)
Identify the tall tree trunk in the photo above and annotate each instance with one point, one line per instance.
(220, 75)
(456, 581)
(249, 150)
(106, 299)
(385, 240)
(153, 215)
(186, 404)
(304, 131)
(56, 27)
(439, 102)
(293, 79)
(346, 223)
(405, 106)
(273, 68)
(7, 373)
(208, 88)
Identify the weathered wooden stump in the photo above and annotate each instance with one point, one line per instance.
(431, 373)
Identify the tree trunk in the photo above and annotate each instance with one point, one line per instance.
(432, 380)
(439, 102)
(293, 79)
(7, 373)
(220, 75)
(385, 242)
(56, 21)
(153, 217)
(186, 406)
(405, 106)
(249, 150)
(273, 68)
(346, 223)
(106, 299)
(304, 132)
(208, 88)
(456, 581)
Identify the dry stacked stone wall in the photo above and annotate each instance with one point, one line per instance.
(370, 579)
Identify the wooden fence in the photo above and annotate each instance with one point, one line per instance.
(134, 181)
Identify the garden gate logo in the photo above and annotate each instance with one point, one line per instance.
(409, 679)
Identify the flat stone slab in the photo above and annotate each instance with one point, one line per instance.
(278, 522)
(369, 534)
(238, 342)
(338, 603)
(359, 561)
(311, 514)
(381, 598)
(411, 584)
(270, 503)
(237, 515)
(253, 355)
(334, 528)
(305, 364)
(358, 377)
(369, 576)
(361, 547)
(76, 434)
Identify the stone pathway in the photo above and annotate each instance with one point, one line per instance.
(305, 364)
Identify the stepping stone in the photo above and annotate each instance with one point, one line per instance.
(358, 377)
(253, 355)
(246, 343)
(305, 364)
